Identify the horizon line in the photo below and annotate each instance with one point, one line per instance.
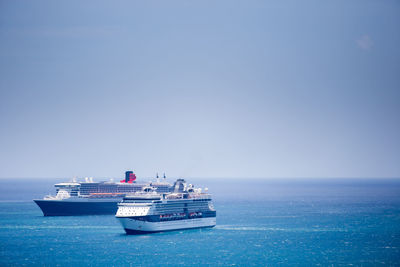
(219, 177)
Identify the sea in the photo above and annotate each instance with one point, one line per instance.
(260, 222)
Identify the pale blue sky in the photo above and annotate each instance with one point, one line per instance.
(200, 88)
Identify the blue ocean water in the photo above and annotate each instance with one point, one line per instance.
(259, 222)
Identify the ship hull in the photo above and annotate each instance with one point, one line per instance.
(133, 226)
(77, 207)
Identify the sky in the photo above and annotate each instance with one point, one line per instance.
(226, 88)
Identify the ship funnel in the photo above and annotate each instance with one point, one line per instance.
(128, 175)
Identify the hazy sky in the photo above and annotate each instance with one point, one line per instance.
(200, 88)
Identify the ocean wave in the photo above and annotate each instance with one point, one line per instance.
(40, 227)
(278, 216)
(255, 228)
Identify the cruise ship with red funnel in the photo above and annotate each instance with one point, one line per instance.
(94, 198)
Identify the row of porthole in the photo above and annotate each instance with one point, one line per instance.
(133, 211)
(136, 210)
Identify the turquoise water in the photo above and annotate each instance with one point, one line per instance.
(259, 222)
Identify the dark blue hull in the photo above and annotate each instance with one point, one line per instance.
(76, 208)
(138, 232)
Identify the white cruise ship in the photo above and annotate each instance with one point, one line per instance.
(149, 211)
